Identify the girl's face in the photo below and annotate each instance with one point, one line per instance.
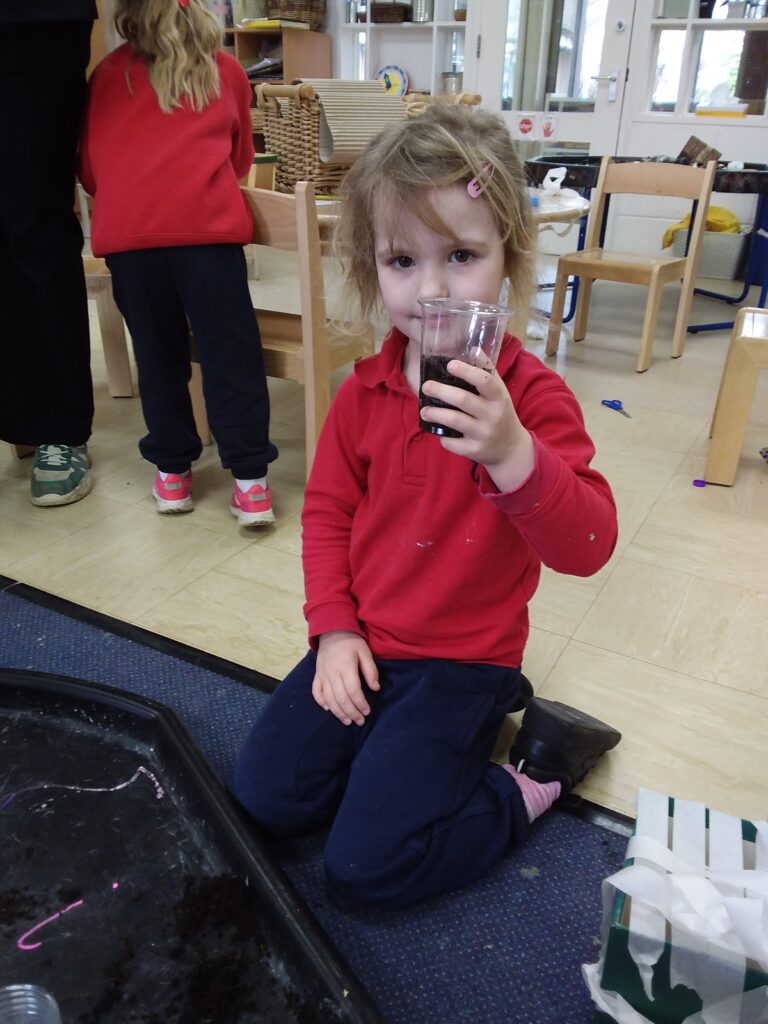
(425, 265)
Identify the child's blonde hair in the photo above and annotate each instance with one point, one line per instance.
(178, 44)
(445, 145)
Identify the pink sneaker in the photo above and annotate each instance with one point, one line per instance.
(252, 507)
(172, 494)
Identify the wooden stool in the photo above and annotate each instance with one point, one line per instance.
(98, 283)
(747, 354)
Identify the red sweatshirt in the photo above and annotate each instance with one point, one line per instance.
(164, 179)
(403, 546)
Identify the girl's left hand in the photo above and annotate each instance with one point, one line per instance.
(493, 435)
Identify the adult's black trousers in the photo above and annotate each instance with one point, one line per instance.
(46, 395)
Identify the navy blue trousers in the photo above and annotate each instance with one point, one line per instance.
(161, 294)
(415, 805)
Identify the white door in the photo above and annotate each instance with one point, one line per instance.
(543, 57)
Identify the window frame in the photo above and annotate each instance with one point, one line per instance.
(694, 28)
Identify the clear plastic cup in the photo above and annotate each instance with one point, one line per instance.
(457, 329)
(28, 1004)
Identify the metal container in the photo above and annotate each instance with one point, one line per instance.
(453, 82)
(422, 10)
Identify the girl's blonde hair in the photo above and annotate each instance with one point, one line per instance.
(178, 44)
(445, 145)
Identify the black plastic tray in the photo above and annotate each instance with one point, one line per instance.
(131, 886)
(583, 171)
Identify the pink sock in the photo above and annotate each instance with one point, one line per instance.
(537, 796)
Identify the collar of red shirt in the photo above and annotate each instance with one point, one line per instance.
(386, 367)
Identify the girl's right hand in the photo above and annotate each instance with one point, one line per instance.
(342, 658)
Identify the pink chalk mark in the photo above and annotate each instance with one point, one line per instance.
(22, 944)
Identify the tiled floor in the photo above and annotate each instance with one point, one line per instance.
(668, 642)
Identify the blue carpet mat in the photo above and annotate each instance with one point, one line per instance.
(508, 950)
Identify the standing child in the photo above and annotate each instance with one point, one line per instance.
(421, 552)
(167, 136)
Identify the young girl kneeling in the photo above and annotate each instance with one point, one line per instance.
(422, 552)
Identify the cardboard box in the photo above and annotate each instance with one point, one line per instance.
(685, 929)
(723, 255)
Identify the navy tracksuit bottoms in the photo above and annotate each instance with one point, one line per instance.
(414, 804)
(162, 293)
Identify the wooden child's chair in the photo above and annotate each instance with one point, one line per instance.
(596, 263)
(303, 347)
(747, 355)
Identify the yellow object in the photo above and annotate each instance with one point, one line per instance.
(718, 219)
(267, 25)
(719, 112)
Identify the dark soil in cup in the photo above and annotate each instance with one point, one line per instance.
(436, 368)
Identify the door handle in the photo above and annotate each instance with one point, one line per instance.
(613, 78)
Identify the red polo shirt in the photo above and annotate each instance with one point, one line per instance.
(402, 545)
(164, 179)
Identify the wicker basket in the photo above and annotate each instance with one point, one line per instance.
(388, 13)
(310, 11)
(257, 120)
(292, 131)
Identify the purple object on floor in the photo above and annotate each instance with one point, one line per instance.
(699, 483)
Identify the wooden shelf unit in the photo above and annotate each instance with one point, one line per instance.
(425, 50)
(305, 54)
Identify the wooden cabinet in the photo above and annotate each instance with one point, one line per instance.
(305, 54)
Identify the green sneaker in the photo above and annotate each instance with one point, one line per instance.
(60, 474)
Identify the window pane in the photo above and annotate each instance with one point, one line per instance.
(511, 57)
(669, 65)
(573, 43)
(580, 49)
(732, 69)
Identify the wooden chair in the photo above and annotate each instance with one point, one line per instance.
(303, 347)
(747, 355)
(596, 263)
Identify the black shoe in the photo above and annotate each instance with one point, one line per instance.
(526, 693)
(558, 743)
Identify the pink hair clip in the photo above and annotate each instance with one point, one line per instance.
(479, 183)
(183, 3)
